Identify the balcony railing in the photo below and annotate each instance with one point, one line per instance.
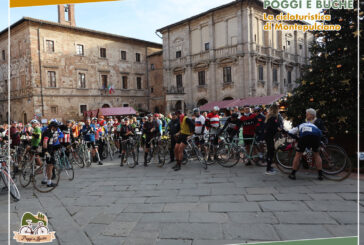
(175, 90)
(223, 52)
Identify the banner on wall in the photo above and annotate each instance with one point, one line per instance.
(28, 3)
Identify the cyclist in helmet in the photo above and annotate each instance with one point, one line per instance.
(232, 126)
(51, 143)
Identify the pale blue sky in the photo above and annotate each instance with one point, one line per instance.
(133, 18)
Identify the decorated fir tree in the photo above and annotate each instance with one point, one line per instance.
(329, 83)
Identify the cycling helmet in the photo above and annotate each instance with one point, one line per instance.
(234, 115)
(216, 108)
(69, 121)
(196, 110)
(94, 119)
(53, 124)
(149, 115)
(146, 118)
(34, 121)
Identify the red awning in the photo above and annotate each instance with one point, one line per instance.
(251, 101)
(117, 111)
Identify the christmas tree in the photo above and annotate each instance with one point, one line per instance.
(329, 83)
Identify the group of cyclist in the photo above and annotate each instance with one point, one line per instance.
(257, 125)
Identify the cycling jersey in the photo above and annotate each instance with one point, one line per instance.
(124, 129)
(89, 132)
(187, 126)
(66, 134)
(199, 124)
(37, 137)
(248, 122)
(213, 122)
(52, 137)
(306, 129)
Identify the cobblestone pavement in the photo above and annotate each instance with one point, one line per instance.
(112, 205)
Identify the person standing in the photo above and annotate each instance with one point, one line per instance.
(187, 129)
(272, 126)
(248, 121)
(173, 128)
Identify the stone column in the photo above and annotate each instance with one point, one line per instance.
(212, 87)
(240, 32)
(253, 74)
(269, 77)
(282, 72)
(246, 31)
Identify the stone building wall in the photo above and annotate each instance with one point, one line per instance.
(156, 88)
(230, 37)
(33, 94)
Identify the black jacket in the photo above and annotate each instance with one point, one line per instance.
(174, 126)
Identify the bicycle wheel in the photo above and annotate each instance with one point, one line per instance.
(131, 157)
(67, 168)
(14, 192)
(39, 177)
(161, 156)
(200, 158)
(225, 156)
(259, 157)
(284, 160)
(77, 160)
(25, 174)
(336, 165)
(87, 157)
(110, 151)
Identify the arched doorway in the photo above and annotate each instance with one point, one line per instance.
(106, 106)
(228, 98)
(25, 118)
(178, 106)
(201, 102)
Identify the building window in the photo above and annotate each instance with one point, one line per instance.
(80, 50)
(275, 75)
(227, 74)
(104, 81)
(179, 81)
(83, 109)
(125, 105)
(288, 43)
(123, 55)
(201, 78)
(284, 47)
(300, 46)
(103, 52)
(50, 46)
(289, 77)
(207, 46)
(178, 54)
(139, 83)
(151, 89)
(52, 79)
(54, 109)
(82, 80)
(125, 82)
(137, 57)
(3, 55)
(260, 73)
(152, 67)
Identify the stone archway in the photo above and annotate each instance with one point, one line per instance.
(228, 98)
(201, 102)
(106, 106)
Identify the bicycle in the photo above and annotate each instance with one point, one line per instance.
(131, 154)
(192, 151)
(236, 150)
(85, 154)
(74, 156)
(109, 149)
(336, 165)
(37, 175)
(63, 163)
(156, 149)
(7, 180)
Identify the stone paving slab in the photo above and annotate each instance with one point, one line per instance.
(190, 207)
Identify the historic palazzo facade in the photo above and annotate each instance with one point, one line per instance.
(224, 53)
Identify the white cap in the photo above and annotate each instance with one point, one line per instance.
(216, 108)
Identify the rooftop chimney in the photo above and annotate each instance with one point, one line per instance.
(66, 14)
